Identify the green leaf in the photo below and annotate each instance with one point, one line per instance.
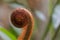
(7, 33)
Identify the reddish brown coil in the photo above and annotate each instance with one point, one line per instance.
(20, 18)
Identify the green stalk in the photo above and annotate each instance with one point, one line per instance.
(57, 31)
(50, 21)
(55, 34)
(51, 30)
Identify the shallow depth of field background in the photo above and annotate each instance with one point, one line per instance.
(40, 12)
